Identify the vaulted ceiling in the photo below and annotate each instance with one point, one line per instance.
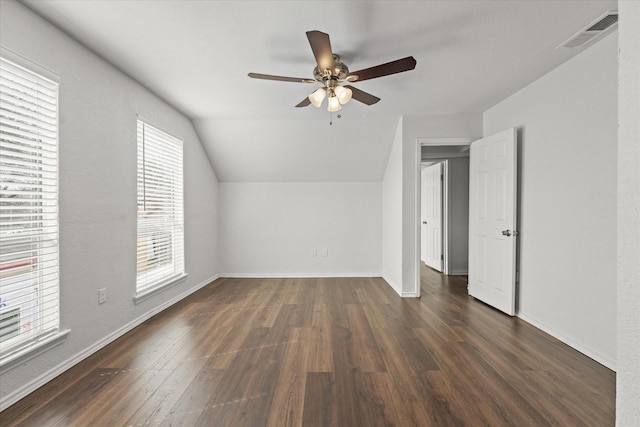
(196, 55)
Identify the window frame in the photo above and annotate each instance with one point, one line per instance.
(152, 145)
(45, 252)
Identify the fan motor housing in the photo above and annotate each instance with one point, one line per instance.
(339, 71)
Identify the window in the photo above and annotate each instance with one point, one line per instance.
(29, 308)
(160, 254)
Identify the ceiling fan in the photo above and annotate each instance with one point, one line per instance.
(332, 73)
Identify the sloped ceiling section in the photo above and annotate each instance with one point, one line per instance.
(306, 150)
(196, 55)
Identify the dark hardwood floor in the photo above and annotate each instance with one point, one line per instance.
(327, 352)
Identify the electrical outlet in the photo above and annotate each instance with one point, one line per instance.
(102, 295)
(314, 251)
(325, 252)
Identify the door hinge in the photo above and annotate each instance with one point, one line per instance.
(442, 257)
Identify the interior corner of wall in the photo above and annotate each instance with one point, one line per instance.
(392, 284)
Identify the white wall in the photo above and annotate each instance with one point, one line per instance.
(568, 121)
(463, 125)
(628, 372)
(269, 229)
(97, 151)
(458, 213)
(392, 215)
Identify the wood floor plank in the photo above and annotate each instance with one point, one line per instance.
(453, 410)
(53, 390)
(158, 406)
(248, 363)
(366, 352)
(352, 405)
(529, 377)
(232, 342)
(406, 360)
(143, 349)
(68, 405)
(500, 397)
(320, 352)
(327, 351)
(388, 406)
(288, 397)
(251, 411)
(405, 351)
(117, 407)
(196, 399)
(320, 404)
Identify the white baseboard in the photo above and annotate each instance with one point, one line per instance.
(603, 360)
(409, 295)
(399, 291)
(458, 273)
(38, 382)
(396, 288)
(295, 275)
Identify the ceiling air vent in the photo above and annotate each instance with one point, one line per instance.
(597, 29)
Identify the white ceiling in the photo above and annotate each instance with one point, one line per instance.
(196, 55)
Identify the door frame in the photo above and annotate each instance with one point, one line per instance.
(420, 142)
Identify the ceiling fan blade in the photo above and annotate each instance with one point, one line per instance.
(280, 78)
(321, 47)
(362, 96)
(304, 102)
(393, 67)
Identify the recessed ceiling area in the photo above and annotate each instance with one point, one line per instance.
(196, 55)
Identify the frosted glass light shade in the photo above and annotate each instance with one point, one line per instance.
(343, 94)
(333, 104)
(317, 97)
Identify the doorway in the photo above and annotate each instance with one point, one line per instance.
(453, 155)
(492, 207)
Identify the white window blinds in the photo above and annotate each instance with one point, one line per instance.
(29, 307)
(160, 209)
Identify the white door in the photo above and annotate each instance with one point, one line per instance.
(431, 229)
(423, 210)
(492, 220)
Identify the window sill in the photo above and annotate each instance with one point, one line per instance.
(34, 349)
(161, 286)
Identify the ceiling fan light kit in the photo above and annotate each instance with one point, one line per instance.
(317, 97)
(332, 73)
(343, 94)
(333, 104)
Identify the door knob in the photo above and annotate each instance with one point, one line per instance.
(424, 222)
(506, 233)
